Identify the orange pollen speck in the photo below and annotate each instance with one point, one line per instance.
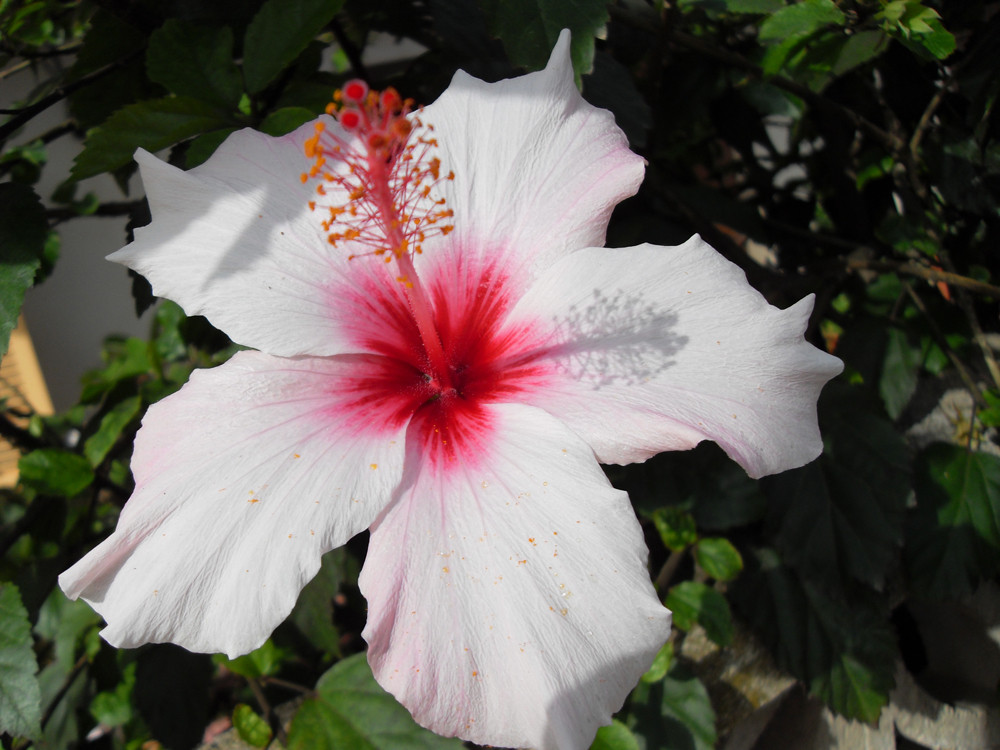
(378, 175)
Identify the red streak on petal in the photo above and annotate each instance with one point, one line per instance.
(487, 362)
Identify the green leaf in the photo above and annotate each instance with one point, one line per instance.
(250, 726)
(953, 535)
(858, 49)
(800, 20)
(840, 518)
(152, 125)
(351, 710)
(260, 662)
(113, 708)
(676, 527)
(279, 32)
(675, 713)
(898, 380)
(203, 146)
(126, 359)
(529, 29)
(844, 650)
(719, 558)
(754, 6)
(20, 699)
(938, 40)
(692, 602)
(615, 736)
(313, 612)
(662, 663)
(23, 230)
(112, 425)
(196, 61)
(285, 120)
(53, 471)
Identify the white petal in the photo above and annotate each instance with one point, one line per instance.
(234, 240)
(662, 347)
(509, 601)
(538, 170)
(244, 478)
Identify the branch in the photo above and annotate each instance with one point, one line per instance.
(352, 52)
(942, 341)
(120, 208)
(29, 57)
(924, 272)
(693, 43)
(26, 113)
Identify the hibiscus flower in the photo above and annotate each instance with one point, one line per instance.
(455, 401)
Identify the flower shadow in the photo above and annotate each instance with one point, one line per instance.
(616, 339)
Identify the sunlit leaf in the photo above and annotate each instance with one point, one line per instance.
(676, 527)
(662, 663)
(251, 726)
(260, 662)
(692, 602)
(615, 736)
(719, 558)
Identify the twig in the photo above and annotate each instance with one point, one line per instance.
(30, 57)
(352, 52)
(272, 717)
(669, 568)
(970, 314)
(112, 208)
(67, 684)
(913, 149)
(25, 114)
(693, 43)
(924, 272)
(942, 342)
(288, 685)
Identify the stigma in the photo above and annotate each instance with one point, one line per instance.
(377, 176)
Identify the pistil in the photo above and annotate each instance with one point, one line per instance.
(388, 174)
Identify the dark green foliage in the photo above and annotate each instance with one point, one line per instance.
(22, 242)
(953, 539)
(529, 29)
(20, 702)
(278, 33)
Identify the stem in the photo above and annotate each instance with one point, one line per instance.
(669, 568)
(924, 272)
(269, 714)
(25, 114)
(942, 342)
(416, 296)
